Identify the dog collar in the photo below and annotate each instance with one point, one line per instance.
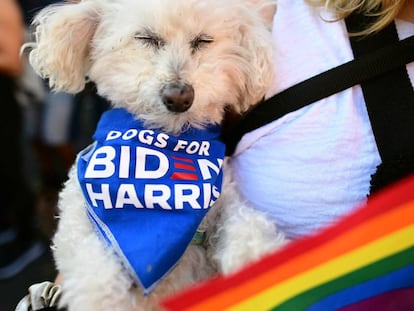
(147, 191)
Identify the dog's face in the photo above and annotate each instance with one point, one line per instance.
(172, 63)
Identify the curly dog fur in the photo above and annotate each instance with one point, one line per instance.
(133, 51)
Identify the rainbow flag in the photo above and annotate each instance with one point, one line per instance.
(364, 262)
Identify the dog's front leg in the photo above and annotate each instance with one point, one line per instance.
(243, 234)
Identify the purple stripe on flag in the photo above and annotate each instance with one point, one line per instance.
(400, 299)
(402, 278)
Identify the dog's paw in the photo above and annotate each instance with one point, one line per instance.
(236, 256)
(245, 235)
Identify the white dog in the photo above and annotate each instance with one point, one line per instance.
(174, 67)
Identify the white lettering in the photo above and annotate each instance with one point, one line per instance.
(145, 137)
(141, 170)
(102, 158)
(207, 195)
(193, 147)
(181, 144)
(124, 162)
(113, 135)
(102, 196)
(206, 166)
(131, 133)
(127, 195)
(186, 193)
(161, 140)
(157, 194)
(204, 148)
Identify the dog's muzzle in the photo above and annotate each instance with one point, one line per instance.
(177, 97)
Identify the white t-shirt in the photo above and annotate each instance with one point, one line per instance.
(315, 164)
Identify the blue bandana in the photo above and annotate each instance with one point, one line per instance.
(147, 192)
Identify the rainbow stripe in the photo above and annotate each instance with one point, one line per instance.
(364, 262)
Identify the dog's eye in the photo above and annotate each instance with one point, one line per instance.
(149, 40)
(200, 41)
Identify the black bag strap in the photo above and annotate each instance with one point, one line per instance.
(390, 104)
(364, 67)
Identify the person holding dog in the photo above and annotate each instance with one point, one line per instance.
(313, 165)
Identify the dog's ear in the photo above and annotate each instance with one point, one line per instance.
(267, 9)
(260, 67)
(63, 34)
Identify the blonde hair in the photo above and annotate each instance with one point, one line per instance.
(385, 11)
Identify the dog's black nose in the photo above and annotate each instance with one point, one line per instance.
(177, 97)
